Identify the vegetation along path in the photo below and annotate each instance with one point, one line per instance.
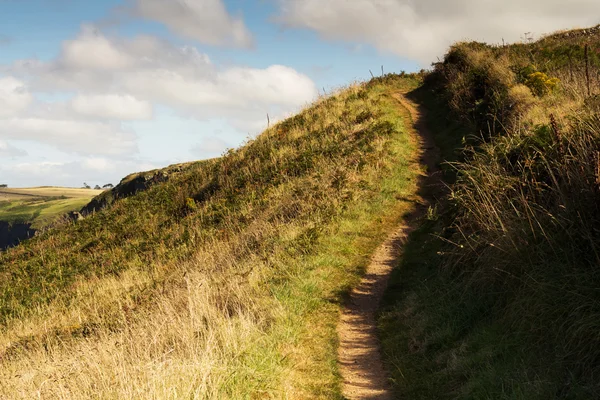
(361, 366)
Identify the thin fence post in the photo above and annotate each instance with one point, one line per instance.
(587, 70)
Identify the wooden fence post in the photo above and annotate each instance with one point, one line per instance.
(587, 69)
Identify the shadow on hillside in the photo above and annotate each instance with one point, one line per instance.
(12, 234)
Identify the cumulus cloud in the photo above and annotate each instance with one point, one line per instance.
(94, 52)
(112, 106)
(14, 96)
(179, 77)
(206, 21)
(423, 29)
(21, 118)
(97, 83)
(233, 88)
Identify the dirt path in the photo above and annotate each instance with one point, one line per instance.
(359, 355)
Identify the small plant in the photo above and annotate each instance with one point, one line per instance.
(432, 213)
(190, 204)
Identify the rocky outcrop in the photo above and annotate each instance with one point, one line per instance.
(11, 234)
(576, 33)
(75, 216)
(131, 185)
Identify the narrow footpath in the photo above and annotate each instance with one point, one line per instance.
(359, 355)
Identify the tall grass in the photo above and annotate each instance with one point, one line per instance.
(502, 300)
(225, 281)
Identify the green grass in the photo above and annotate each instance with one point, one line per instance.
(224, 280)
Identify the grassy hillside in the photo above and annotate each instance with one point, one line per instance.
(40, 206)
(498, 294)
(222, 280)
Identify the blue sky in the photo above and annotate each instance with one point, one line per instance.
(93, 90)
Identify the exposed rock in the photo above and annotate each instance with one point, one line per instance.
(578, 33)
(131, 185)
(76, 216)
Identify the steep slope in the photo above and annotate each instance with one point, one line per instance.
(224, 280)
(497, 294)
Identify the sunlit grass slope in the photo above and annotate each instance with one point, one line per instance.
(225, 280)
(498, 295)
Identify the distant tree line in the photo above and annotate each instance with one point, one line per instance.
(97, 187)
(3, 185)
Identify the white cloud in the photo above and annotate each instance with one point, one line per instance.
(204, 20)
(14, 96)
(112, 106)
(93, 51)
(83, 137)
(178, 77)
(233, 88)
(22, 118)
(9, 151)
(423, 29)
(98, 82)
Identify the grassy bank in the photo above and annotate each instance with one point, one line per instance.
(497, 296)
(223, 281)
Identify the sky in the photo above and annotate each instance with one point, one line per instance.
(91, 91)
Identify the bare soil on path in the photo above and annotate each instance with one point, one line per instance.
(359, 356)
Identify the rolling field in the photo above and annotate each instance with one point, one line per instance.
(41, 205)
(47, 191)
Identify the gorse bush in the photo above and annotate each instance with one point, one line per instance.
(540, 84)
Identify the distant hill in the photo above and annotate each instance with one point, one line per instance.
(24, 211)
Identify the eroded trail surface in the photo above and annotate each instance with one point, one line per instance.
(359, 353)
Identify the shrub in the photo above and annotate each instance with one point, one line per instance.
(480, 86)
(540, 84)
